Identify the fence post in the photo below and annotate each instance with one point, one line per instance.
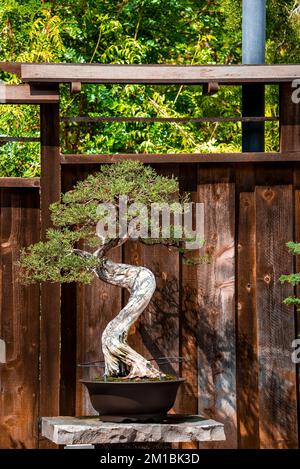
(50, 292)
(289, 122)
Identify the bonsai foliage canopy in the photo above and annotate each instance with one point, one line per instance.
(76, 219)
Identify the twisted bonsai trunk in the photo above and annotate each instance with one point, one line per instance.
(120, 358)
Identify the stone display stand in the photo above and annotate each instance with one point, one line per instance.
(91, 430)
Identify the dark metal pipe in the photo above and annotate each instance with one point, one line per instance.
(253, 52)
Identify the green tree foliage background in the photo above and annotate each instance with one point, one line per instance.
(133, 32)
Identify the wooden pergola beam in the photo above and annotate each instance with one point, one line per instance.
(11, 67)
(20, 182)
(174, 158)
(28, 94)
(159, 74)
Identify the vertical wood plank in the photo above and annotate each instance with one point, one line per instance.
(247, 362)
(297, 269)
(68, 325)
(50, 292)
(276, 326)
(289, 119)
(19, 322)
(189, 309)
(216, 283)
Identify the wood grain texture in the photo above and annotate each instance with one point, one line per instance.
(189, 311)
(297, 292)
(158, 74)
(289, 119)
(182, 158)
(68, 357)
(247, 357)
(26, 94)
(276, 327)
(11, 67)
(290, 140)
(19, 321)
(50, 292)
(19, 182)
(216, 286)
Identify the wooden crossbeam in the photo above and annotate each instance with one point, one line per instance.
(11, 67)
(182, 158)
(159, 74)
(28, 94)
(19, 182)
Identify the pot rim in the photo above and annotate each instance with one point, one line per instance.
(95, 381)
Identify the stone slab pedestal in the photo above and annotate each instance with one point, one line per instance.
(90, 430)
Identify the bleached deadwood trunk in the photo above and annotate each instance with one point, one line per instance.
(120, 358)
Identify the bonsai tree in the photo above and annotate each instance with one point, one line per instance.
(89, 222)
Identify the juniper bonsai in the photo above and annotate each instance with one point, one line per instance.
(76, 249)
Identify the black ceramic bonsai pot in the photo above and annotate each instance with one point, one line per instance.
(133, 400)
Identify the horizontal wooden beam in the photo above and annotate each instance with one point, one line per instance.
(19, 182)
(159, 74)
(19, 139)
(182, 158)
(11, 67)
(26, 94)
(183, 120)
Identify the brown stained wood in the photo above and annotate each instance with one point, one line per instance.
(189, 311)
(19, 182)
(276, 326)
(210, 88)
(75, 87)
(11, 67)
(19, 321)
(247, 357)
(297, 269)
(68, 367)
(289, 119)
(50, 292)
(159, 74)
(290, 140)
(183, 158)
(216, 319)
(26, 94)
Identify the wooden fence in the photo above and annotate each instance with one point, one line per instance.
(225, 318)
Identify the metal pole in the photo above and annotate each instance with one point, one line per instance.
(253, 52)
